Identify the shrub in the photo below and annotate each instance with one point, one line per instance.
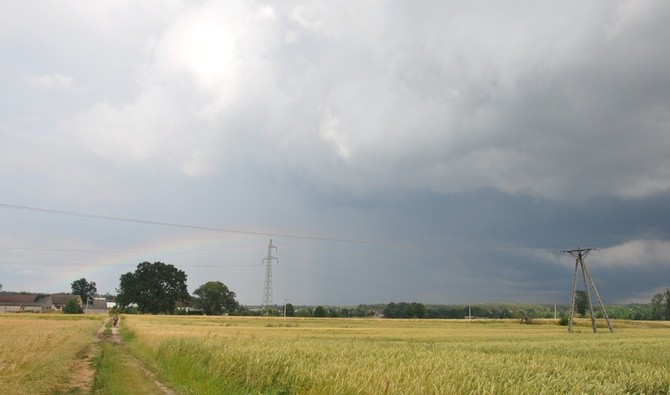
(72, 307)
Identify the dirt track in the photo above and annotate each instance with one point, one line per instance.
(82, 380)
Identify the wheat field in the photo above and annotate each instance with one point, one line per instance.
(376, 356)
(41, 353)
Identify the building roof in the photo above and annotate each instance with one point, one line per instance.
(98, 304)
(64, 298)
(18, 298)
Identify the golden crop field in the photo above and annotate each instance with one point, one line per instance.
(212, 355)
(41, 353)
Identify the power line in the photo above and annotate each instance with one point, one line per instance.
(272, 234)
(126, 251)
(67, 264)
(185, 226)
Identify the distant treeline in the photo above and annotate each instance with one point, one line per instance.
(635, 311)
(517, 311)
(491, 310)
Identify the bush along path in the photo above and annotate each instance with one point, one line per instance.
(115, 370)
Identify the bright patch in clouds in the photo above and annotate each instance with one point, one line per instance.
(634, 253)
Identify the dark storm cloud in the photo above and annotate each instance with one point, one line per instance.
(474, 140)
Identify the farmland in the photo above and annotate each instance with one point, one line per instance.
(258, 355)
(43, 353)
(369, 356)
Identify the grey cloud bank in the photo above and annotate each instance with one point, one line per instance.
(474, 140)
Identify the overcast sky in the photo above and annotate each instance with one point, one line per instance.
(438, 152)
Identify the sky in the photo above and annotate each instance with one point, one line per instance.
(437, 152)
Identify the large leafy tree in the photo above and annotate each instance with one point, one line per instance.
(154, 287)
(214, 298)
(85, 289)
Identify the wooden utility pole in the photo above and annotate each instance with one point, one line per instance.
(579, 254)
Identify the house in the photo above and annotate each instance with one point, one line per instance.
(60, 300)
(19, 303)
(186, 307)
(98, 306)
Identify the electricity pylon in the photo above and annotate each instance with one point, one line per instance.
(267, 290)
(579, 254)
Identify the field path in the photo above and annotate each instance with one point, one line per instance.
(115, 337)
(82, 380)
(137, 375)
(131, 363)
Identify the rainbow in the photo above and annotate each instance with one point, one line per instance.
(108, 262)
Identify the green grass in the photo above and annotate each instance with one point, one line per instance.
(117, 372)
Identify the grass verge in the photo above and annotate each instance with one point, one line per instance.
(117, 372)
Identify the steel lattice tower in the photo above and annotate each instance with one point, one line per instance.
(579, 255)
(267, 290)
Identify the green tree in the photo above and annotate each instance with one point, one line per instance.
(290, 310)
(393, 310)
(582, 302)
(214, 298)
(657, 308)
(405, 310)
(319, 311)
(415, 310)
(85, 289)
(154, 287)
(72, 307)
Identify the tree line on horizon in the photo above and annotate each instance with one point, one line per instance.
(156, 288)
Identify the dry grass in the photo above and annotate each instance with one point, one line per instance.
(234, 354)
(39, 352)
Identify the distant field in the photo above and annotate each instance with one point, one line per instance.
(41, 353)
(372, 356)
